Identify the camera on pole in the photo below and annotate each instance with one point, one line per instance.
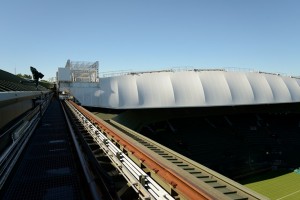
(36, 75)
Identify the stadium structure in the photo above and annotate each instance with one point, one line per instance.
(169, 134)
(178, 89)
(77, 72)
(235, 122)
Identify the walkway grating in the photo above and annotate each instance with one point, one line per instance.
(47, 169)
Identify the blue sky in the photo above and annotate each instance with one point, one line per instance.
(143, 35)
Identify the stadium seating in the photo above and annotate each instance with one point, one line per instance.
(236, 145)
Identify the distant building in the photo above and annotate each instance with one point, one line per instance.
(77, 72)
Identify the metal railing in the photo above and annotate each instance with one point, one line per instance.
(188, 68)
(20, 134)
(144, 185)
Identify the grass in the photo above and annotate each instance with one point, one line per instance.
(104, 116)
(283, 187)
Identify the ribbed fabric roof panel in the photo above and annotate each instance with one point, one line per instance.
(190, 89)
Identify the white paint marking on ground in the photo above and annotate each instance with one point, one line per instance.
(288, 195)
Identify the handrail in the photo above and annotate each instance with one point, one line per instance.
(10, 156)
(131, 172)
(181, 185)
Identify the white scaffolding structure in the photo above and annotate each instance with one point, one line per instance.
(82, 71)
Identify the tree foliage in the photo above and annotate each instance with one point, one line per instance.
(27, 76)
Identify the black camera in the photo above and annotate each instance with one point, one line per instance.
(36, 75)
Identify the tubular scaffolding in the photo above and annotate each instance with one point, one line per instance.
(82, 71)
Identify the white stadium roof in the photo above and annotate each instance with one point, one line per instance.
(189, 89)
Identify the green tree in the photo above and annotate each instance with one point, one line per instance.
(25, 76)
(46, 84)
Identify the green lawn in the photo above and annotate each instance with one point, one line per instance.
(104, 116)
(285, 187)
